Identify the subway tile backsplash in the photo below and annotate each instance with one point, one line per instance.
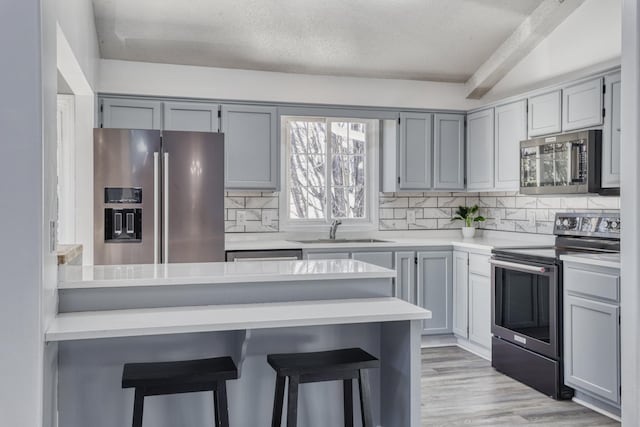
(505, 211)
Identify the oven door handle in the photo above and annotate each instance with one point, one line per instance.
(525, 267)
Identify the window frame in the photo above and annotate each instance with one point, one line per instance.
(370, 221)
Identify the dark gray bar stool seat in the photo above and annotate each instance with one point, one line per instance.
(159, 378)
(336, 365)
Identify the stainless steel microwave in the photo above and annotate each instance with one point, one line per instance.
(563, 164)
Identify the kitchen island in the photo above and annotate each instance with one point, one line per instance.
(111, 315)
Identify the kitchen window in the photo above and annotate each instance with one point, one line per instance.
(329, 165)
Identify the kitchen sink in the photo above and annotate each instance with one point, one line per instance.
(340, 241)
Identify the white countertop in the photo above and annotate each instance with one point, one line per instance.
(160, 321)
(601, 260)
(75, 277)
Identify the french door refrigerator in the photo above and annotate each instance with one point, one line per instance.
(158, 196)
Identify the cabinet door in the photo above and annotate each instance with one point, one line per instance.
(406, 276)
(511, 128)
(480, 310)
(381, 259)
(592, 347)
(131, 114)
(545, 114)
(611, 133)
(582, 105)
(251, 147)
(435, 290)
(448, 151)
(191, 116)
(480, 150)
(460, 286)
(415, 151)
(328, 255)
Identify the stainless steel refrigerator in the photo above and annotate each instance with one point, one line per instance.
(158, 197)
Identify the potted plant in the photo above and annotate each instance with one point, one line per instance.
(470, 216)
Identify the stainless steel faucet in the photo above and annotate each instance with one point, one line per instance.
(333, 229)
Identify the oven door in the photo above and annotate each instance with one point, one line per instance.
(525, 305)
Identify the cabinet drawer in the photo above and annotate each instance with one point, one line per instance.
(479, 264)
(583, 280)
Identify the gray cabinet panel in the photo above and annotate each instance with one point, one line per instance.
(406, 276)
(511, 128)
(545, 114)
(480, 150)
(251, 147)
(448, 151)
(582, 105)
(381, 259)
(480, 310)
(328, 255)
(611, 133)
(591, 344)
(415, 151)
(191, 116)
(435, 290)
(460, 286)
(131, 114)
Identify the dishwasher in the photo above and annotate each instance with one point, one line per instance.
(264, 255)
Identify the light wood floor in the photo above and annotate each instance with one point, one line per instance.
(462, 389)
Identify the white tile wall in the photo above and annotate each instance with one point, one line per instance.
(254, 205)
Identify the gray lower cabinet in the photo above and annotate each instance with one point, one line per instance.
(328, 255)
(545, 114)
(131, 113)
(191, 116)
(480, 128)
(480, 310)
(460, 293)
(381, 259)
(611, 132)
(592, 331)
(435, 290)
(448, 151)
(582, 105)
(510, 129)
(405, 264)
(415, 151)
(251, 147)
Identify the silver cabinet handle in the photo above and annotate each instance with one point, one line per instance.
(156, 194)
(518, 266)
(165, 255)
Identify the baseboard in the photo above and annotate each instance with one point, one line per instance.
(479, 351)
(433, 341)
(580, 401)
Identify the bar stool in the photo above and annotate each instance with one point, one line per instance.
(160, 378)
(300, 368)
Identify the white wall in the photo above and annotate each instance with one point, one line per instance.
(589, 40)
(77, 21)
(140, 78)
(27, 189)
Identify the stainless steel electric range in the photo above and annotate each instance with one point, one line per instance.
(527, 299)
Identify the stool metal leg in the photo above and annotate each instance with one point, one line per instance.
(216, 407)
(292, 404)
(138, 408)
(278, 402)
(365, 398)
(348, 402)
(221, 405)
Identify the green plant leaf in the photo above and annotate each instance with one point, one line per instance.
(480, 218)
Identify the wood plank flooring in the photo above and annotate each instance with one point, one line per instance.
(462, 389)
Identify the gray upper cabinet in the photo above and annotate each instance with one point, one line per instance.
(448, 151)
(251, 147)
(582, 105)
(460, 299)
(480, 150)
(435, 290)
(131, 113)
(611, 133)
(545, 114)
(415, 151)
(191, 116)
(510, 129)
(480, 310)
(406, 276)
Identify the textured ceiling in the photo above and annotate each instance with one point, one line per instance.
(443, 40)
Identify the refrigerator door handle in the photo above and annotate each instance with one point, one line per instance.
(156, 219)
(165, 254)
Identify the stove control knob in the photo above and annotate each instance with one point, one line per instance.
(614, 224)
(558, 222)
(565, 222)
